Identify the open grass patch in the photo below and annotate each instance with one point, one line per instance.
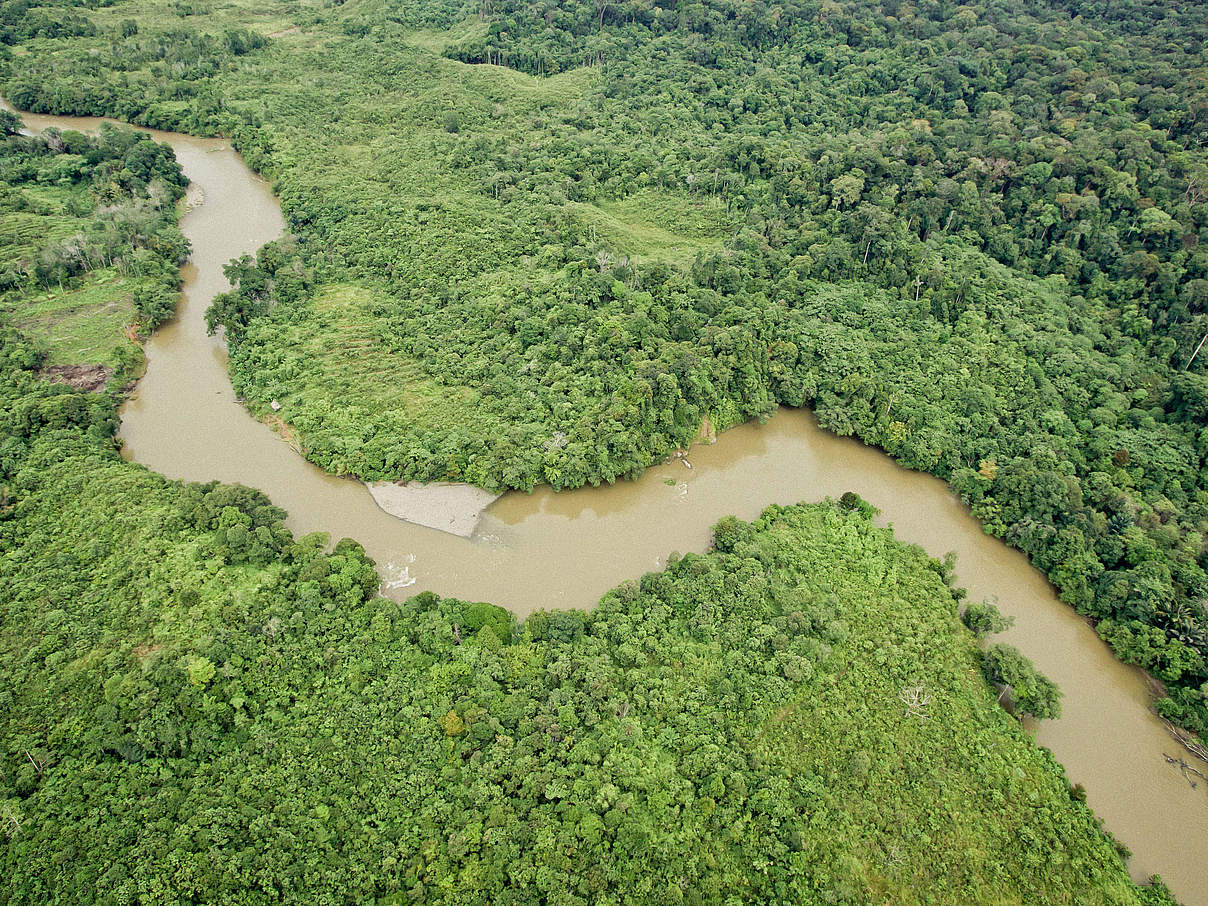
(334, 370)
(436, 40)
(655, 225)
(79, 326)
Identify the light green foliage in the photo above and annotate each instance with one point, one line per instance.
(1033, 692)
(89, 248)
(200, 670)
(970, 237)
(654, 225)
(84, 325)
(985, 618)
(187, 691)
(746, 707)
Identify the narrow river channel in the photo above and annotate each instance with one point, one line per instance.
(566, 549)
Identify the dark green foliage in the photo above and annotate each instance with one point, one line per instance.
(158, 69)
(984, 619)
(21, 20)
(188, 692)
(972, 236)
(1034, 693)
(197, 707)
(275, 275)
(89, 247)
(851, 502)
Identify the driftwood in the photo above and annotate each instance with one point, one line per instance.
(1186, 770)
(1188, 742)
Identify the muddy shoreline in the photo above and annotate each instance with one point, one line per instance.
(546, 549)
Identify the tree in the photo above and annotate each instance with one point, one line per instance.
(1033, 692)
(984, 618)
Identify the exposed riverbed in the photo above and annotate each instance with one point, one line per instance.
(566, 549)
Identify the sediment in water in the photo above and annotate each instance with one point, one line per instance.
(442, 505)
(547, 549)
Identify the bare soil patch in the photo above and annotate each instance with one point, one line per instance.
(90, 378)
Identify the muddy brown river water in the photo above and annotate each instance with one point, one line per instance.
(566, 549)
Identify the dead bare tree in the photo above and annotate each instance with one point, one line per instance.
(916, 699)
(11, 818)
(1197, 352)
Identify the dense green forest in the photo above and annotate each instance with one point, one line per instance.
(541, 243)
(89, 249)
(198, 708)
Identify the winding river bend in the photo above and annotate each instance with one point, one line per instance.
(566, 549)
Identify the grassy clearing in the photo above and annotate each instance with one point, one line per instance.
(45, 220)
(85, 320)
(434, 41)
(79, 326)
(654, 225)
(394, 381)
(339, 361)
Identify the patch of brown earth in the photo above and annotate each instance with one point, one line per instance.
(90, 378)
(285, 429)
(142, 652)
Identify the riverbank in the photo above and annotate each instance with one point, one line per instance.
(185, 422)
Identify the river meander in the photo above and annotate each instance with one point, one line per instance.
(566, 549)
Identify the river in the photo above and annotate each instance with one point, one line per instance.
(566, 549)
